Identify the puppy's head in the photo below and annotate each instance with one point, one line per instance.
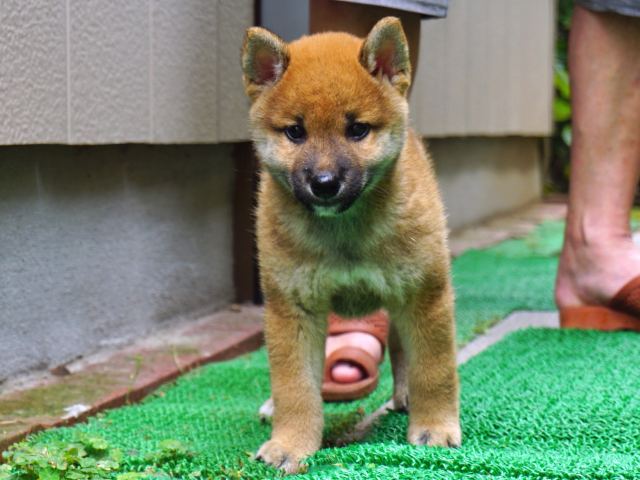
(329, 112)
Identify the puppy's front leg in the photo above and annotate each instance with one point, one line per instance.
(428, 334)
(295, 343)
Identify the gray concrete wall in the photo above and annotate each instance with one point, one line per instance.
(483, 176)
(101, 244)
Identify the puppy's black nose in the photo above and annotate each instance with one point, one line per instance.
(325, 185)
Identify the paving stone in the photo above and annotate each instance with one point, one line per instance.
(126, 375)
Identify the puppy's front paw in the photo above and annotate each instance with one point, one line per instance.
(446, 435)
(275, 454)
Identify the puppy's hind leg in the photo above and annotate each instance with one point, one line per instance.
(295, 344)
(399, 367)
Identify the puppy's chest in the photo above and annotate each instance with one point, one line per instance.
(350, 287)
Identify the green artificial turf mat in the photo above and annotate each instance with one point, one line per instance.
(536, 405)
(540, 404)
(516, 274)
(213, 413)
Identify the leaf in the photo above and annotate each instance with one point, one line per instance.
(561, 110)
(95, 443)
(116, 455)
(107, 464)
(77, 475)
(561, 81)
(87, 462)
(6, 472)
(49, 474)
(567, 135)
(172, 446)
(73, 453)
(132, 476)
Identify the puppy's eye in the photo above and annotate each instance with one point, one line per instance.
(296, 133)
(358, 130)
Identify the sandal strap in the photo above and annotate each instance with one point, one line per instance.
(350, 354)
(627, 300)
(376, 324)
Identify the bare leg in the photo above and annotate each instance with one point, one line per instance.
(598, 256)
(358, 19)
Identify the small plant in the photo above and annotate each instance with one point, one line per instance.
(86, 457)
(168, 450)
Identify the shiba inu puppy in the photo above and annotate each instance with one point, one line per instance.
(349, 220)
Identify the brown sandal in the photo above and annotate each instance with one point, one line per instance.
(376, 324)
(622, 312)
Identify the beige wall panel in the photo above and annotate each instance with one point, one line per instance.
(491, 91)
(185, 77)
(482, 176)
(477, 23)
(234, 16)
(109, 71)
(33, 71)
(486, 70)
(168, 71)
(534, 59)
(456, 69)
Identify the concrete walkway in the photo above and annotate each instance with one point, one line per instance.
(109, 379)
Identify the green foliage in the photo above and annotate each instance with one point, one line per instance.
(561, 140)
(561, 81)
(86, 457)
(169, 450)
(562, 100)
(561, 110)
(566, 134)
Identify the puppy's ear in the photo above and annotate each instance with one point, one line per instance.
(264, 59)
(385, 53)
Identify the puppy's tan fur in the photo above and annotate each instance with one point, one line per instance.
(387, 250)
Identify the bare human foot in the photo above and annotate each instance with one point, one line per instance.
(347, 372)
(591, 272)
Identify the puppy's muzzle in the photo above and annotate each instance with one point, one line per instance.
(336, 189)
